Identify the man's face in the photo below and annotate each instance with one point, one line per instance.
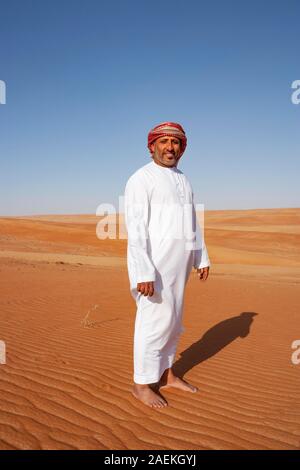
(166, 151)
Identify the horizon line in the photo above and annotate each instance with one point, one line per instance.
(117, 213)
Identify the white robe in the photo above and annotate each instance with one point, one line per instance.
(162, 247)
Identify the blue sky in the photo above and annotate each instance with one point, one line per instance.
(86, 80)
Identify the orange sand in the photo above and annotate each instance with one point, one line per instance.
(67, 320)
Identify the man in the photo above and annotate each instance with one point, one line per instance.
(162, 250)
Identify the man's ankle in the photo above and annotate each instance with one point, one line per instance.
(141, 386)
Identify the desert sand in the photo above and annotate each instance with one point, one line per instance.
(67, 320)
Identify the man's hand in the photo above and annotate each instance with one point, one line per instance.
(203, 273)
(146, 288)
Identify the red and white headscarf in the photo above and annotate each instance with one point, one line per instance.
(168, 129)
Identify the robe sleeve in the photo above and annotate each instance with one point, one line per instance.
(201, 259)
(137, 211)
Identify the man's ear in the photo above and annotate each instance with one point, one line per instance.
(152, 148)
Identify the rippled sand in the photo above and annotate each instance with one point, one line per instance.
(67, 320)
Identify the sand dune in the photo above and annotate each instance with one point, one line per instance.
(67, 320)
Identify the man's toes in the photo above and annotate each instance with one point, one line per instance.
(159, 403)
(194, 389)
(156, 404)
(163, 403)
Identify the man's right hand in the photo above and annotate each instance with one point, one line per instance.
(146, 288)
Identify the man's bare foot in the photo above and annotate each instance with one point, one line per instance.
(168, 379)
(148, 396)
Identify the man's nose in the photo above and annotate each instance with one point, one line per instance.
(170, 146)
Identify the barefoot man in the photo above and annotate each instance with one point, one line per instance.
(164, 244)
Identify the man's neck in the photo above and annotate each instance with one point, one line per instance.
(164, 166)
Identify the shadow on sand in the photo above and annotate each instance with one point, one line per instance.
(215, 339)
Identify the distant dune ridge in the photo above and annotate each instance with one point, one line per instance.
(67, 321)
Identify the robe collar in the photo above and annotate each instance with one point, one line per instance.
(166, 168)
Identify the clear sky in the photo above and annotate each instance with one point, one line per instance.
(86, 80)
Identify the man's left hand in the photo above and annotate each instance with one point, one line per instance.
(203, 273)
